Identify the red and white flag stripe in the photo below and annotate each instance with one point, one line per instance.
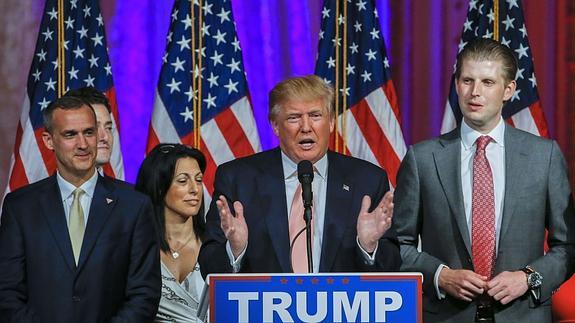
(231, 134)
(373, 132)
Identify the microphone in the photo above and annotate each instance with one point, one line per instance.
(305, 177)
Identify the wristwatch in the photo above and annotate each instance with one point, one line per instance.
(534, 279)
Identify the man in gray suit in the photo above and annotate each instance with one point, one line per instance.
(479, 199)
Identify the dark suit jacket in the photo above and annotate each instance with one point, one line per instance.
(258, 182)
(429, 203)
(118, 274)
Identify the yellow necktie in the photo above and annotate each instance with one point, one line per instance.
(76, 225)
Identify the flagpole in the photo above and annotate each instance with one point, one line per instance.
(199, 76)
(61, 39)
(496, 20)
(192, 66)
(196, 71)
(336, 78)
(344, 79)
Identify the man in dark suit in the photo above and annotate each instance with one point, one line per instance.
(77, 247)
(480, 198)
(348, 233)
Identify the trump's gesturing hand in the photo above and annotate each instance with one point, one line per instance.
(371, 226)
(234, 227)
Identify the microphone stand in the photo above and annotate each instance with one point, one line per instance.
(305, 177)
(307, 217)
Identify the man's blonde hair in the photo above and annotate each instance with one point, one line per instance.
(303, 88)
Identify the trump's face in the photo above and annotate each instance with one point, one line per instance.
(304, 129)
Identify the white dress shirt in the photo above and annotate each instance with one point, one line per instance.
(67, 193)
(319, 187)
(495, 153)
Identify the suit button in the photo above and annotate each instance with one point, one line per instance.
(75, 298)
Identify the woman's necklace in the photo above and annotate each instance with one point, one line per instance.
(176, 253)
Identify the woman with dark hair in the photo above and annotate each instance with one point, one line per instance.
(171, 175)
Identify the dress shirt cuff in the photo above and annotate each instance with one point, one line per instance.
(438, 291)
(236, 263)
(368, 258)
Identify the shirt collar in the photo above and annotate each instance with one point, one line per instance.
(469, 135)
(290, 168)
(67, 188)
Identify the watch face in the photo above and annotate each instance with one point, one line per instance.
(534, 280)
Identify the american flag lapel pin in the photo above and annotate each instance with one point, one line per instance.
(345, 187)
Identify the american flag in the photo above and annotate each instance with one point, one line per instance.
(504, 22)
(83, 62)
(352, 58)
(202, 100)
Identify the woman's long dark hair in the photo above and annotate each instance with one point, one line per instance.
(155, 178)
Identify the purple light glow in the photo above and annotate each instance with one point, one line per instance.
(137, 39)
(137, 42)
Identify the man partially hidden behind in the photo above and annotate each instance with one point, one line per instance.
(101, 105)
(257, 207)
(480, 198)
(76, 246)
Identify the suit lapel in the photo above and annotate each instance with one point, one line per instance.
(53, 210)
(340, 190)
(448, 165)
(271, 188)
(103, 203)
(515, 163)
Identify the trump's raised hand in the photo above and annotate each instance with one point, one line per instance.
(371, 226)
(235, 227)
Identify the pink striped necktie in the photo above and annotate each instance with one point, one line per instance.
(483, 211)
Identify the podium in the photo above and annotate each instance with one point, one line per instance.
(329, 297)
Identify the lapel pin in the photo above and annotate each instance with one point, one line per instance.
(345, 187)
(109, 200)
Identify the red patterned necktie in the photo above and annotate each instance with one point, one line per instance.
(296, 223)
(483, 211)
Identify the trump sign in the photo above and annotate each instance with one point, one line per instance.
(378, 297)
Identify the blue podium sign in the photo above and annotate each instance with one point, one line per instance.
(366, 297)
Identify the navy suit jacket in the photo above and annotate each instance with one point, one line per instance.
(118, 274)
(258, 183)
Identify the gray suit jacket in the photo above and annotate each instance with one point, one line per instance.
(429, 205)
